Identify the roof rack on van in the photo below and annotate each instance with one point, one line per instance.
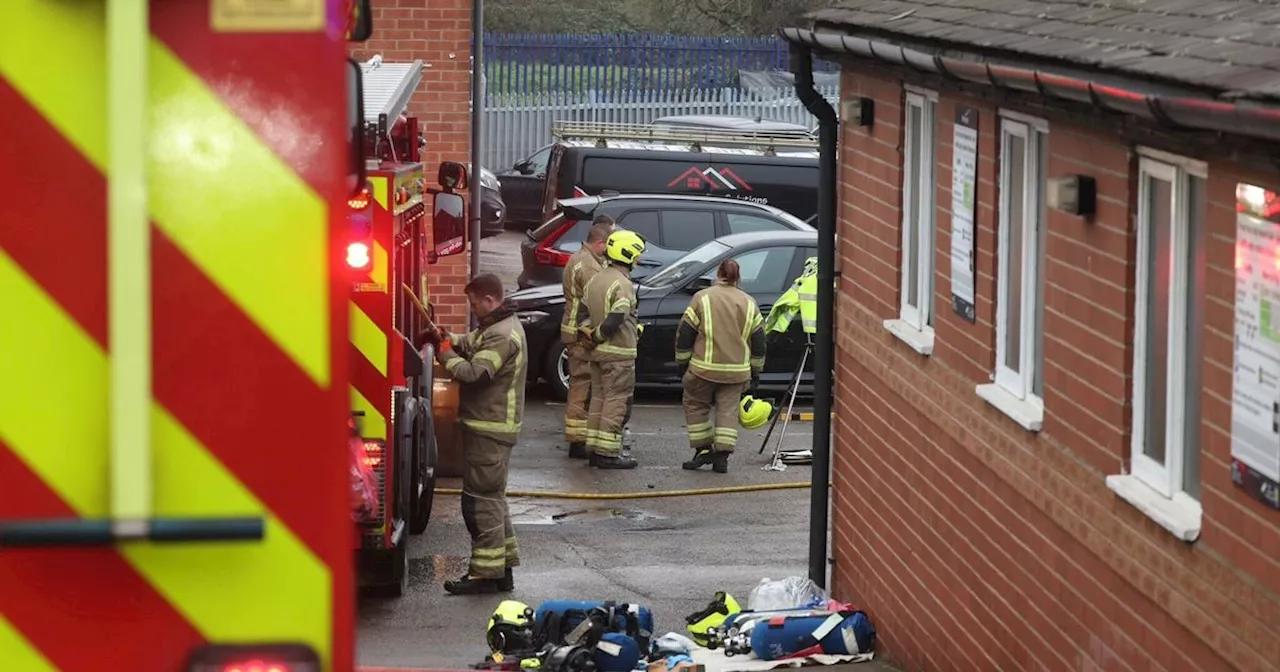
(602, 132)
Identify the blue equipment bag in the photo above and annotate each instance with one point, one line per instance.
(616, 652)
(833, 633)
(554, 620)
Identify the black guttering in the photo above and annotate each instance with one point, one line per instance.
(824, 345)
(1186, 112)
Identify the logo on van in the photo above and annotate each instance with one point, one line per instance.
(716, 180)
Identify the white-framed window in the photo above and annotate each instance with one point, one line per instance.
(1166, 418)
(1019, 287)
(919, 187)
(914, 324)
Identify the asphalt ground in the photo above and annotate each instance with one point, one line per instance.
(670, 554)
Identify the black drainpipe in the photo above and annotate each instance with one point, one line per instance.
(824, 350)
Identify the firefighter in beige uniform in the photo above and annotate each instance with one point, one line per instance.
(611, 338)
(720, 344)
(582, 266)
(490, 363)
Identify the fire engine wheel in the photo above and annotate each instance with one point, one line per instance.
(425, 458)
(556, 370)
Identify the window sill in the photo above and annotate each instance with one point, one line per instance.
(920, 340)
(1180, 514)
(1028, 414)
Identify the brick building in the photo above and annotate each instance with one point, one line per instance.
(439, 33)
(1035, 422)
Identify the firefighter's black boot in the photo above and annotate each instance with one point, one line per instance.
(578, 450)
(507, 583)
(719, 461)
(470, 585)
(612, 461)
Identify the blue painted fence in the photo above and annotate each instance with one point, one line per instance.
(525, 64)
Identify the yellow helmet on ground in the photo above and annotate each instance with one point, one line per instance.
(510, 628)
(753, 413)
(624, 247)
(700, 624)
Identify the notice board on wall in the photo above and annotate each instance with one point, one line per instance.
(1255, 393)
(964, 187)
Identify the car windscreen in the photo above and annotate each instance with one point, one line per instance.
(685, 266)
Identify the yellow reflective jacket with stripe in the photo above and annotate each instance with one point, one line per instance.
(610, 292)
(727, 340)
(491, 364)
(582, 266)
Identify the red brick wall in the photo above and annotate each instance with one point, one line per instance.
(439, 33)
(976, 545)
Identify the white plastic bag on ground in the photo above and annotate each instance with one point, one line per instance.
(793, 592)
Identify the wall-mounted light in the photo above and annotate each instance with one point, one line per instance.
(1073, 194)
(861, 111)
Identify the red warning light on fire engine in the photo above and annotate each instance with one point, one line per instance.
(357, 255)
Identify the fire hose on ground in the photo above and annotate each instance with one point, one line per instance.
(646, 494)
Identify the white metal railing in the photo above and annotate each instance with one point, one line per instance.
(516, 125)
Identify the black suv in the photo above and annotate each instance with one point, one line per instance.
(671, 226)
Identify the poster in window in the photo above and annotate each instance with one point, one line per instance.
(964, 185)
(1255, 393)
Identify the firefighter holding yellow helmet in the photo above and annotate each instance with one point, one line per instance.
(610, 339)
(720, 344)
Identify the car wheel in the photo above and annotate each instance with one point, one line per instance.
(556, 371)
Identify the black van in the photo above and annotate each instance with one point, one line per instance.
(787, 181)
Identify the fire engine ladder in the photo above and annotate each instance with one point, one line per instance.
(697, 138)
(388, 88)
(129, 315)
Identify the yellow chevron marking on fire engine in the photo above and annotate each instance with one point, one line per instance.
(18, 654)
(368, 338)
(378, 273)
(205, 167)
(189, 482)
(373, 425)
(379, 185)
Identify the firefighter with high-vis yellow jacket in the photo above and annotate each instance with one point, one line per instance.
(720, 344)
(581, 267)
(490, 363)
(611, 341)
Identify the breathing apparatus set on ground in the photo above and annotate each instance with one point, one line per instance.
(787, 619)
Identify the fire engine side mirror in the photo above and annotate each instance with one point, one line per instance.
(452, 176)
(359, 20)
(355, 128)
(448, 223)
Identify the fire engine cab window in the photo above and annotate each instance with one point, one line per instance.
(643, 222)
(684, 230)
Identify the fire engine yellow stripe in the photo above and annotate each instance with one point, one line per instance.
(52, 348)
(368, 338)
(379, 185)
(378, 273)
(373, 425)
(205, 167)
(18, 654)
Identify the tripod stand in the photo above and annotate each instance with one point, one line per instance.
(775, 463)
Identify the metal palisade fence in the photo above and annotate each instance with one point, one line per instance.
(534, 80)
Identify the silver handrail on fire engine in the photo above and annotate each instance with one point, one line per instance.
(603, 131)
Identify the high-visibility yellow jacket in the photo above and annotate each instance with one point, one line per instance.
(611, 303)
(491, 363)
(721, 335)
(582, 266)
(801, 298)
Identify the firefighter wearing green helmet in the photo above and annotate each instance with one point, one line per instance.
(611, 337)
(720, 344)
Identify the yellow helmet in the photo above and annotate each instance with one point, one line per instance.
(624, 247)
(510, 628)
(810, 267)
(700, 624)
(753, 413)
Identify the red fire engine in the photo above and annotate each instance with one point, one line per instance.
(396, 398)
